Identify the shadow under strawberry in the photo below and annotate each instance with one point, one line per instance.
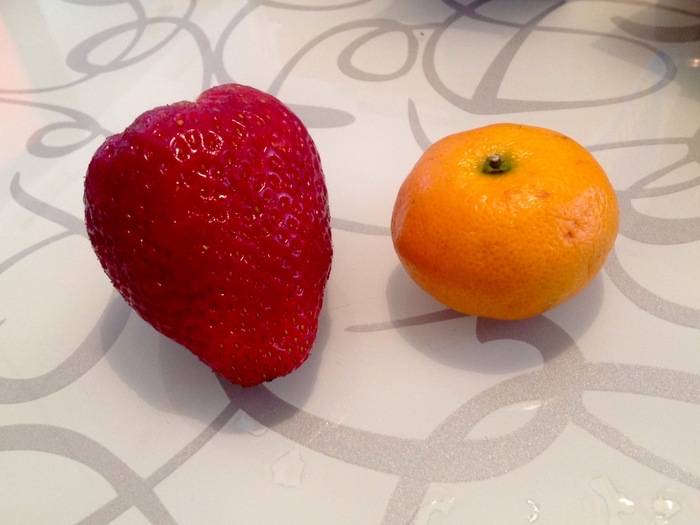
(168, 377)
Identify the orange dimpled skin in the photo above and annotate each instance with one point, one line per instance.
(510, 236)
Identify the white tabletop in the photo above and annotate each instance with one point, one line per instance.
(405, 413)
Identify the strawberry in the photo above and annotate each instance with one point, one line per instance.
(211, 219)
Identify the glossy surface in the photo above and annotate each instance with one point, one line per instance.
(405, 412)
(211, 219)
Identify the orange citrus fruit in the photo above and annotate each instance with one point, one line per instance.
(505, 221)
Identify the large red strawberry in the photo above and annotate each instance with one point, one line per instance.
(211, 219)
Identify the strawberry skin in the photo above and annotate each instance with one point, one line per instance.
(211, 219)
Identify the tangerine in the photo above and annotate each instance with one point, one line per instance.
(505, 221)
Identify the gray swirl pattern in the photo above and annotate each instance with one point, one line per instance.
(490, 43)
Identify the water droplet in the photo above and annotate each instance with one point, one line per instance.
(618, 504)
(534, 511)
(423, 514)
(288, 469)
(505, 420)
(665, 508)
(244, 423)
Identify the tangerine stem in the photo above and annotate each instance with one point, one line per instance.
(495, 165)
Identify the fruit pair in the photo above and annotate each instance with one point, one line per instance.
(211, 219)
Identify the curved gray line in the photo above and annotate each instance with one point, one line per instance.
(345, 57)
(446, 456)
(414, 123)
(47, 89)
(297, 7)
(77, 447)
(412, 490)
(471, 10)
(140, 29)
(638, 143)
(219, 68)
(639, 189)
(640, 380)
(416, 320)
(674, 34)
(619, 441)
(81, 120)
(643, 380)
(138, 9)
(692, 155)
(397, 455)
(126, 499)
(377, 23)
(195, 445)
(15, 258)
(651, 303)
(320, 117)
(652, 4)
(494, 74)
(72, 61)
(358, 227)
(92, 349)
(656, 230)
(72, 224)
(485, 100)
(78, 57)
